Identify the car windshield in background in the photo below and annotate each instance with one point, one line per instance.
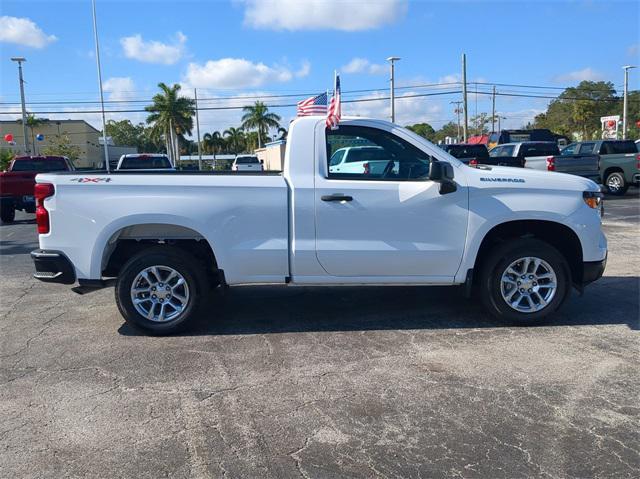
(145, 162)
(244, 160)
(618, 147)
(468, 151)
(40, 165)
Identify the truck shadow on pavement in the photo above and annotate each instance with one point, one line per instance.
(275, 309)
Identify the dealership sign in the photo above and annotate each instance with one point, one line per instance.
(610, 127)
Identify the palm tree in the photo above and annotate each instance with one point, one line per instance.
(172, 116)
(235, 138)
(257, 117)
(212, 142)
(283, 133)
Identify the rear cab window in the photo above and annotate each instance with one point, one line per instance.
(42, 165)
(145, 162)
(539, 149)
(586, 148)
(247, 160)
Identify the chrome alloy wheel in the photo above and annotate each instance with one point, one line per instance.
(528, 284)
(614, 183)
(159, 293)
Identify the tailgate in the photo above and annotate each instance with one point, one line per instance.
(17, 183)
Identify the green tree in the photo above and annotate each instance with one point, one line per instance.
(5, 158)
(448, 130)
(578, 109)
(633, 131)
(32, 123)
(171, 116)
(61, 145)
(425, 130)
(212, 142)
(124, 133)
(283, 132)
(235, 139)
(257, 117)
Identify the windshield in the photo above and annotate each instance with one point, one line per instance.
(244, 160)
(57, 164)
(145, 162)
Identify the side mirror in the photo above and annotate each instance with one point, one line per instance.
(442, 172)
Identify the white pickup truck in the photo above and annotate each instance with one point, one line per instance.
(520, 238)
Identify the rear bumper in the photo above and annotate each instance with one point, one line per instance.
(593, 270)
(636, 178)
(53, 267)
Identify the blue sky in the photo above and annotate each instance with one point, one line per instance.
(267, 47)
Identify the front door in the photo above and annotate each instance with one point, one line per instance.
(384, 218)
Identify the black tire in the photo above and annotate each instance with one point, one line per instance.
(7, 212)
(169, 257)
(497, 262)
(616, 184)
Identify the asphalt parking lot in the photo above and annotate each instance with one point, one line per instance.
(335, 382)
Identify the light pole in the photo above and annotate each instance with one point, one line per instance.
(500, 118)
(19, 60)
(392, 61)
(626, 69)
(104, 122)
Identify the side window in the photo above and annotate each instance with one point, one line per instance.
(569, 150)
(372, 154)
(586, 149)
(507, 150)
(495, 151)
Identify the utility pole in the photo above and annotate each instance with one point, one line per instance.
(493, 111)
(19, 60)
(625, 110)
(195, 94)
(104, 121)
(393, 89)
(457, 111)
(464, 97)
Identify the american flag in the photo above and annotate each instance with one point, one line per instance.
(316, 105)
(335, 111)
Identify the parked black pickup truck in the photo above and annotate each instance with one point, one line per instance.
(468, 154)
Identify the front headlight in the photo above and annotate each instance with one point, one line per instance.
(594, 200)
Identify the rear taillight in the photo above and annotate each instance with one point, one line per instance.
(473, 163)
(41, 192)
(551, 163)
(638, 162)
(366, 167)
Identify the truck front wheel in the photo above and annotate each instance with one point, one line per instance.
(159, 290)
(7, 211)
(524, 281)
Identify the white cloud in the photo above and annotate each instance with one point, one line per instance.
(152, 51)
(346, 15)
(119, 88)
(588, 74)
(633, 50)
(239, 73)
(304, 70)
(362, 65)
(23, 32)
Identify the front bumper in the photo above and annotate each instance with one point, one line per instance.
(592, 271)
(53, 267)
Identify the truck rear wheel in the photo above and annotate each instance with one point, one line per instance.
(524, 281)
(616, 184)
(7, 212)
(159, 290)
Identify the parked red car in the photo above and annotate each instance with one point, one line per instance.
(17, 183)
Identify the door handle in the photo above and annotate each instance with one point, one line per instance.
(336, 197)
